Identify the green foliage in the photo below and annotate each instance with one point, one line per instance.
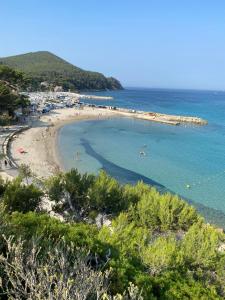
(106, 194)
(25, 172)
(161, 255)
(156, 241)
(10, 99)
(54, 186)
(163, 212)
(125, 236)
(45, 66)
(10, 75)
(70, 192)
(7, 99)
(85, 193)
(133, 193)
(33, 224)
(20, 197)
(77, 186)
(200, 246)
(173, 285)
(126, 243)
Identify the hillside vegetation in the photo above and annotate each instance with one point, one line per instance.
(44, 66)
(153, 247)
(11, 82)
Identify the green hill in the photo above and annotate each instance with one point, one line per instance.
(44, 66)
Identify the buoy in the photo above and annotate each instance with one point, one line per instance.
(205, 180)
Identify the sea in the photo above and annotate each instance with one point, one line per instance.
(187, 160)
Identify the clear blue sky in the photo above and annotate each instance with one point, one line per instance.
(160, 43)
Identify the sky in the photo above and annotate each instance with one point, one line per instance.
(145, 43)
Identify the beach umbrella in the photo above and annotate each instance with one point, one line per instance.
(21, 150)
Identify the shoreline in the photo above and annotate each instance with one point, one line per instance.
(41, 98)
(40, 141)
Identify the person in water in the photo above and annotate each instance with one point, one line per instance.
(77, 157)
(142, 153)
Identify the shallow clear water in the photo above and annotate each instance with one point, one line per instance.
(175, 156)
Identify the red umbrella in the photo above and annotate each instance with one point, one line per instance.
(21, 150)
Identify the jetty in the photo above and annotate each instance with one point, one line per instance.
(157, 117)
(170, 119)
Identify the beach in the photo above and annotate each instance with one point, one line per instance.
(40, 141)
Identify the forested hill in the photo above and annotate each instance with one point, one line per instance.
(46, 67)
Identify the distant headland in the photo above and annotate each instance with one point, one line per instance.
(46, 71)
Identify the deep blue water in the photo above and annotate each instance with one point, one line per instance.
(176, 156)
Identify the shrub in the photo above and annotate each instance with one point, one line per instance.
(20, 197)
(28, 275)
(163, 212)
(200, 246)
(106, 195)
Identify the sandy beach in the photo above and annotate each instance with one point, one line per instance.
(40, 141)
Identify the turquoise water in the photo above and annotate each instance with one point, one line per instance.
(175, 156)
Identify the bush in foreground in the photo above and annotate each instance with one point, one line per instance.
(155, 241)
(20, 197)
